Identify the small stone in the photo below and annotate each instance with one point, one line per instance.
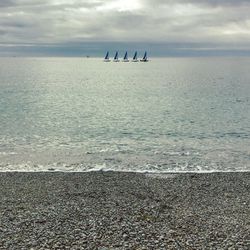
(125, 236)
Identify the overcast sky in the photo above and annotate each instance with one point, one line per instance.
(164, 27)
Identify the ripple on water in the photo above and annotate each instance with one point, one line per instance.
(154, 117)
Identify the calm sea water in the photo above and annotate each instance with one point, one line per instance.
(76, 114)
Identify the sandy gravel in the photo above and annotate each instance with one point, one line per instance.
(112, 210)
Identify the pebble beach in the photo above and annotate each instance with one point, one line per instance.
(119, 210)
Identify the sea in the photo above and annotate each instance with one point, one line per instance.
(166, 115)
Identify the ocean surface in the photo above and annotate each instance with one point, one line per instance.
(167, 115)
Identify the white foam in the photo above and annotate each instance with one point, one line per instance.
(81, 167)
(8, 153)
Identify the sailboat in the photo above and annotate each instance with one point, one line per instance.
(116, 57)
(106, 59)
(145, 58)
(135, 57)
(125, 58)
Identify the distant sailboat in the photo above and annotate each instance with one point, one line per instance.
(116, 57)
(125, 58)
(106, 59)
(145, 58)
(135, 57)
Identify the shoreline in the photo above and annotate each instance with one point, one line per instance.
(127, 171)
(124, 210)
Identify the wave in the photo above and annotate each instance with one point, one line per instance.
(148, 168)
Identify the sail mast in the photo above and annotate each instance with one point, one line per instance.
(145, 58)
(116, 57)
(106, 59)
(125, 58)
(135, 57)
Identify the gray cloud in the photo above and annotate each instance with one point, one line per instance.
(219, 2)
(198, 2)
(7, 3)
(221, 22)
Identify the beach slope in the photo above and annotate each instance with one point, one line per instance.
(114, 210)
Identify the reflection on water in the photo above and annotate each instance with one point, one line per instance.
(76, 114)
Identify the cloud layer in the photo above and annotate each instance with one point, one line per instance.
(211, 23)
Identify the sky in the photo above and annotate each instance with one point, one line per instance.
(90, 27)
